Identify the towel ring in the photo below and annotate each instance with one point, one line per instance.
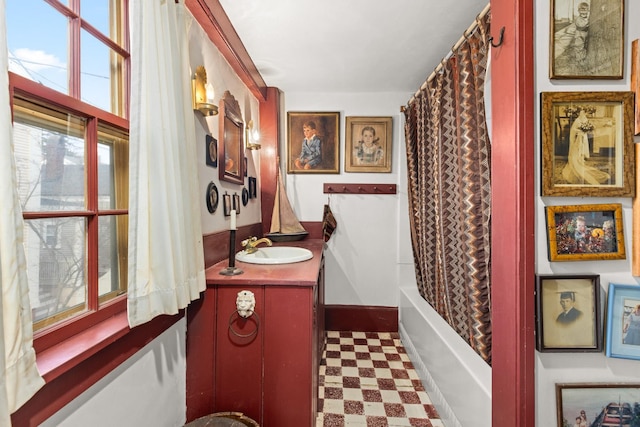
(250, 334)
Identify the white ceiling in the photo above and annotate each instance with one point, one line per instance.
(349, 45)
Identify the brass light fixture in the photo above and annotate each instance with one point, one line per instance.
(253, 136)
(202, 93)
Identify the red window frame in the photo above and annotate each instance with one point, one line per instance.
(71, 103)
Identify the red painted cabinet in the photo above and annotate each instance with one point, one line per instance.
(266, 366)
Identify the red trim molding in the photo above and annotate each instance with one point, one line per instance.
(215, 22)
(513, 208)
(361, 318)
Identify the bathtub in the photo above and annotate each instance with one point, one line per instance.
(457, 380)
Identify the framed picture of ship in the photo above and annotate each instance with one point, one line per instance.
(597, 404)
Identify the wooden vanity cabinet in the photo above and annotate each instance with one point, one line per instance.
(270, 374)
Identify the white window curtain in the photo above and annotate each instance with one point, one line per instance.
(166, 257)
(19, 377)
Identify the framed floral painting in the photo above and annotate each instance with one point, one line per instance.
(587, 144)
(585, 232)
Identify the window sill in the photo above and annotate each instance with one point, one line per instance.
(69, 353)
(78, 362)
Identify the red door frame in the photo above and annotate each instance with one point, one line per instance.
(513, 208)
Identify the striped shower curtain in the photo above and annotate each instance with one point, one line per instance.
(448, 156)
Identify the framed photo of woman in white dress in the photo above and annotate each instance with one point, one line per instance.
(587, 144)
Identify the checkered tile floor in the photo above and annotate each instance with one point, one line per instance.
(367, 379)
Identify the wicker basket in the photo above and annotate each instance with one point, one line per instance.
(223, 419)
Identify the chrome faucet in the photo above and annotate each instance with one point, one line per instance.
(251, 244)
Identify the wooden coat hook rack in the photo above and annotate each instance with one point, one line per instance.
(360, 188)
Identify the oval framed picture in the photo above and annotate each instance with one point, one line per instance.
(212, 197)
(245, 196)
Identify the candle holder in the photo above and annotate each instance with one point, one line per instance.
(232, 270)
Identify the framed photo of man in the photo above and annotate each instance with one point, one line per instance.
(568, 313)
(586, 39)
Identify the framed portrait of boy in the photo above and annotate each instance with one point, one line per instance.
(368, 144)
(568, 313)
(313, 142)
(587, 144)
(586, 39)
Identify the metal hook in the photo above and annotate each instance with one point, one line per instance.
(500, 40)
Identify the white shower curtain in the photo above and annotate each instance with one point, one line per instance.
(166, 257)
(19, 377)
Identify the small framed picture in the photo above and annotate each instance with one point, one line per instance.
(253, 187)
(597, 404)
(587, 144)
(226, 204)
(585, 232)
(245, 196)
(568, 313)
(368, 144)
(587, 39)
(623, 321)
(211, 148)
(313, 142)
(236, 203)
(635, 81)
(212, 197)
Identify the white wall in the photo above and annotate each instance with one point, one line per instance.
(147, 390)
(554, 368)
(361, 255)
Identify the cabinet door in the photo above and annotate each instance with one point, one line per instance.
(238, 364)
(289, 345)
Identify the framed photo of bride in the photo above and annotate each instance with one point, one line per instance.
(587, 144)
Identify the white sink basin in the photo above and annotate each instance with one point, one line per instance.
(275, 255)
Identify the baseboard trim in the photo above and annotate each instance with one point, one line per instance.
(361, 318)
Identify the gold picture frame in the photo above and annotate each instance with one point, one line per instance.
(587, 144)
(324, 132)
(585, 232)
(586, 39)
(368, 144)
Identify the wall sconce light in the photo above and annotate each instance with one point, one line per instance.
(253, 136)
(202, 93)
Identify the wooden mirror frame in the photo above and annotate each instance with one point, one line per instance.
(231, 148)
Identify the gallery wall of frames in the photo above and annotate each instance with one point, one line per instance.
(588, 156)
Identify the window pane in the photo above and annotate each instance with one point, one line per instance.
(96, 72)
(96, 13)
(112, 255)
(113, 164)
(56, 267)
(38, 52)
(50, 159)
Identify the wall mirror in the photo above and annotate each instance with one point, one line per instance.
(231, 153)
